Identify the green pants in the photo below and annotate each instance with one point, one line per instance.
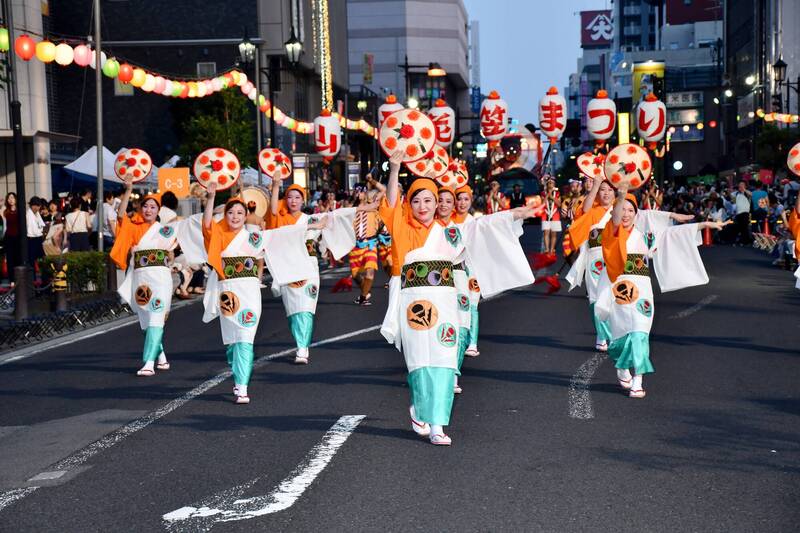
(152, 343)
(600, 326)
(302, 326)
(463, 342)
(432, 394)
(240, 358)
(632, 351)
(473, 330)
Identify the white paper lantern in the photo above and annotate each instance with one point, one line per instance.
(167, 88)
(552, 115)
(387, 108)
(103, 59)
(494, 117)
(444, 119)
(149, 83)
(64, 54)
(651, 120)
(601, 117)
(327, 134)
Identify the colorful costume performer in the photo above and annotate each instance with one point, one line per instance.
(473, 288)
(143, 249)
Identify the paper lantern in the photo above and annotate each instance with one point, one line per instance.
(253, 94)
(387, 108)
(601, 117)
(444, 120)
(177, 88)
(64, 54)
(149, 83)
(167, 88)
(125, 73)
(103, 60)
(793, 159)
(327, 134)
(184, 90)
(83, 55)
(111, 68)
(4, 43)
(25, 47)
(651, 120)
(494, 117)
(242, 78)
(552, 115)
(45, 51)
(217, 82)
(159, 84)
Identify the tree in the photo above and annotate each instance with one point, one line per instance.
(223, 120)
(772, 145)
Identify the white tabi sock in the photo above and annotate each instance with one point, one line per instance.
(148, 365)
(637, 382)
(302, 352)
(623, 374)
(437, 430)
(241, 390)
(162, 358)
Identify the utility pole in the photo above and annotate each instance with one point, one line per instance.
(98, 83)
(21, 274)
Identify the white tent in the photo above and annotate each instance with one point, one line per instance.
(249, 177)
(87, 164)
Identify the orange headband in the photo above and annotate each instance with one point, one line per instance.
(447, 188)
(153, 196)
(465, 189)
(632, 199)
(295, 187)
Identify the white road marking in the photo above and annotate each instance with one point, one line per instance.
(696, 307)
(45, 476)
(115, 437)
(227, 506)
(10, 496)
(580, 401)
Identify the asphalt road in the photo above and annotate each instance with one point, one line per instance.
(543, 439)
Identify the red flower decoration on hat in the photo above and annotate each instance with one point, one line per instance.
(216, 166)
(406, 131)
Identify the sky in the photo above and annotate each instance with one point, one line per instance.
(527, 46)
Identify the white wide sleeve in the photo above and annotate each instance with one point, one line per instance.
(651, 221)
(578, 268)
(338, 236)
(189, 233)
(286, 255)
(494, 254)
(211, 297)
(797, 275)
(677, 261)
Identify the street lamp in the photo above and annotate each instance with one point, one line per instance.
(779, 69)
(361, 105)
(728, 93)
(412, 102)
(750, 80)
(435, 70)
(293, 49)
(247, 50)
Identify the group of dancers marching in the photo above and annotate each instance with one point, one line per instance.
(442, 261)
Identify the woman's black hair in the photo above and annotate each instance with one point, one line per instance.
(232, 202)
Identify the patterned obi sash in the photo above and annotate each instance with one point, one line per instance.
(385, 239)
(636, 265)
(427, 274)
(150, 258)
(240, 267)
(312, 251)
(460, 266)
(370, 242)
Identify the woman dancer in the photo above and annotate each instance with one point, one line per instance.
(585, 234)
(300, 298)
(464, 198)
(423, 314)
(551, 221)
(364, 256)
(144, 248)
(234, 291)
(631, 243)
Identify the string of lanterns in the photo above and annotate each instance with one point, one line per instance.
(82, 55)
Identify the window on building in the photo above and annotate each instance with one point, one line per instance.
(206, 69)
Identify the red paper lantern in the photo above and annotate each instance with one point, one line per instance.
(185, 91)
(25, 47)
(125, 73)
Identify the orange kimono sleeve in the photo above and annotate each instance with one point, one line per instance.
(581, 227)
(615, 251)
(794, 227)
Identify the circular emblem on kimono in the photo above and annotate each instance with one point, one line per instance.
(446, 334)
(473, 285)
(793, 159)
(446, 274)
(133, 163)
(297, 284)
(255, 239)
(421, 315)
(625, 292)
(597, 269)
(166, 231)
(433, 165)
(628, 163)
(157, 305)
(142, 295)
(453, 235)
(229, 271)
(274, 163)
(228, 303)
(408, 130)
(645, 307)
(249, 263)
(246, 318)
(312, 291)
(649, 239)
(591, 165)
(596, 235)
(217, 165)
(463, 302)
(434, 278)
